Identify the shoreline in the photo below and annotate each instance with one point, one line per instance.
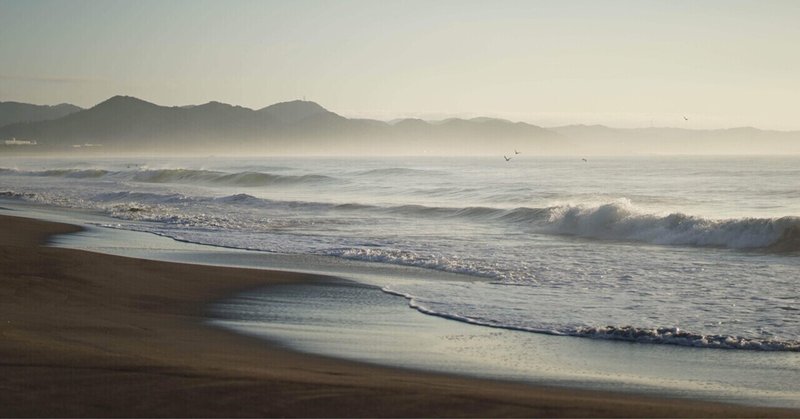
(88, 334)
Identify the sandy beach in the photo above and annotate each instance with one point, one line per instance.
(86, 334)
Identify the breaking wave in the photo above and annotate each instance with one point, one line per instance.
(624, 222)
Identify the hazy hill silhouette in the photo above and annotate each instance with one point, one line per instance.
(13, 112)
(294, 111)
(128, 124)
(124, 123)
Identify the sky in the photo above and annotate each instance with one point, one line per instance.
(618, 63)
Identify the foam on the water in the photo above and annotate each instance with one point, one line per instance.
(654, 335)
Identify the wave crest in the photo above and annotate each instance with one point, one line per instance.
(622, 221)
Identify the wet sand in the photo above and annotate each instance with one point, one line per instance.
(85, 334)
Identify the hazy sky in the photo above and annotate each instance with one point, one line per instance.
(619, 63)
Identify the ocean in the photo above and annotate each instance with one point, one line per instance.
(682, 251)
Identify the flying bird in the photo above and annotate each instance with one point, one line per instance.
(585, 161)
(507, 158)
(515, 151)
(685, 118)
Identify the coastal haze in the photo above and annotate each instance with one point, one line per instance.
(357, 208)
(124, 124)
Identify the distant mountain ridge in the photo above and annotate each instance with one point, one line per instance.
(129, 124)
(13, 112)
(124, 123)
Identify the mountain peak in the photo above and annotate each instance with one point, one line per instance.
(67, 106)
(298, 103)
(119, 101)
(409, 122)
(216, 105)
(294, 111)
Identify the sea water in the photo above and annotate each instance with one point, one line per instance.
(689, 251)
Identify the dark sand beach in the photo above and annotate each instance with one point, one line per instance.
(86, 334)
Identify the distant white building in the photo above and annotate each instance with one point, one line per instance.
(15, 141)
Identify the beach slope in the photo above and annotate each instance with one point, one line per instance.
(85, 334)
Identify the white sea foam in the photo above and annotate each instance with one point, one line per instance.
(429, 260)
(657, 335)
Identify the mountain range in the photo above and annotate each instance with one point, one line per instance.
(128, 124)
(13, 112)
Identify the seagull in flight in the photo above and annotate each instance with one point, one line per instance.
(685, 118)
(515, 151)
(507, 158)
(585, 161)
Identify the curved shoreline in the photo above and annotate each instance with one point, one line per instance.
(87, 334)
